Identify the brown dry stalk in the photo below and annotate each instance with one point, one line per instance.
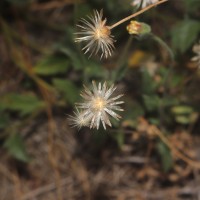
(189, 161)
(136, 14)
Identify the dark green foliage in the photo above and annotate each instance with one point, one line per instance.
(59, 73)
(23, 103)
(184, 34)
(165, 155)
(16, 147)
(68, 89)
(52, 65)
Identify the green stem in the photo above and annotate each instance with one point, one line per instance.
(122, 59)
(163, 44)
(168, 75)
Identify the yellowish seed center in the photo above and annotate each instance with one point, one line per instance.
(102, 32)
(98, 104)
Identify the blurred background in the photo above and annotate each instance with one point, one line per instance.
(153, 152)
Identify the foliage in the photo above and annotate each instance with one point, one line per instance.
(61, 68)
(16, 148)
(184, 34)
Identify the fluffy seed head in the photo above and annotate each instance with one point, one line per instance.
(143, 3)
(79, 119)
(97, 107)
(100, 105)
(96, 35)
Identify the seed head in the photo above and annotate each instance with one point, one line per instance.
(80, 118)
(143, 3)
(96, 35)
(98, 106)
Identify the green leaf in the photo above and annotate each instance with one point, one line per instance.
(73, 56)
(148, 85)
(155, 121)
(68, 89)
(166, 157)
(94, 69)
(192, 5)
(24, 103)
(182, 110)
(184, 114)
(184, 34)
(169, 101)
(4, 119)
(82, 10)
(119, 138)
(15, 146)
(151, 102)
(52, 65)
(182, 119)
(133, 110)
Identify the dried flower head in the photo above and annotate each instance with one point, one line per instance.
(196, 49)
(97, 107)
(96, 35)
(79, 119)
(138, 28)
(134, 27)
(143, 3)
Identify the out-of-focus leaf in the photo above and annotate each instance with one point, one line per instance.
(176, 80)
(169, 101)
(73, 56)
(166, 157)
(182, 109)
(133, 110)
(83, 11)
(15, 146)
(94, 69)
(155, 121)
(184, 114)
(119, 138)
(182, 119)
(4, 119)
(52, 65)
(118, 74)
(151, 102)
(24, 103)
(148, 85)
(184, 34)
(192, 5)
(68, 89)
(187, 119)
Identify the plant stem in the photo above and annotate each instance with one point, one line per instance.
(121, 61)
(163, 44)
(136, 14)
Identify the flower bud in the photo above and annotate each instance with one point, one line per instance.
(138, 28)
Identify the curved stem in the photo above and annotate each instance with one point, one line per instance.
(136, 14)
(121, 68)
(178, 153)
